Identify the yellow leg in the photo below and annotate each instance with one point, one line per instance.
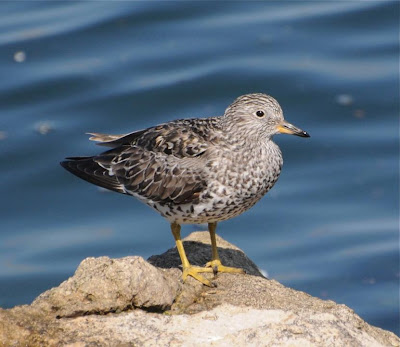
(188, 270)
(215, 262)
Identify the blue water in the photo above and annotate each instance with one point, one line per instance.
(330, 225)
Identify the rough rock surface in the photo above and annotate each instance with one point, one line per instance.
(129, 302)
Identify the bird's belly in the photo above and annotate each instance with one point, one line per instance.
(224, 200)
(230, 191)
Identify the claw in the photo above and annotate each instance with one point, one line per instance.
(216, 266)
(194, 271)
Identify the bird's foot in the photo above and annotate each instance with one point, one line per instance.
(194, 271)
(216, 267)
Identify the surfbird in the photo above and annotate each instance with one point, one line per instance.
(199, 170)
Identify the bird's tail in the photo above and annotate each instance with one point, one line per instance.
(90, 170)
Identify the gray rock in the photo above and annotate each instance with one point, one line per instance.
(198, 251)
(129, 302)
(103, 285)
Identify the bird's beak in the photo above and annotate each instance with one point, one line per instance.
(287, 128)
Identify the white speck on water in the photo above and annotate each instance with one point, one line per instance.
(19, 56)
(43, 128)
(344, 99)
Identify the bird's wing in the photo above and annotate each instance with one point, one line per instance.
(115, 140)
(182, 138)
(163, 164)
(154, 176)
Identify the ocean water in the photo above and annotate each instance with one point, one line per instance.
(329, 227)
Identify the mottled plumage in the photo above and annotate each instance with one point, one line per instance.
(200, 170)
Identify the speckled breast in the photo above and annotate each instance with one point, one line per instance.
(236, 181)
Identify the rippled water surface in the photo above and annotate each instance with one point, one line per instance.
(330, 225)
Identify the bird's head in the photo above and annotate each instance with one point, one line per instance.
(259, 115)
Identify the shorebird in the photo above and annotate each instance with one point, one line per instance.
(199, 170)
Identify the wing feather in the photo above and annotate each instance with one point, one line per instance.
(164, 164)
(160, 178)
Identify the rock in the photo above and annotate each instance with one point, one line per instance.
(198, 252)
(103, 285)
(130, 302)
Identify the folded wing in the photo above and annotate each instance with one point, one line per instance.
(163, 164)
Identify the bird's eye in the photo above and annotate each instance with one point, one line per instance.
(260, 114)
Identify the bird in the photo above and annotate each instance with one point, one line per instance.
(195, 170)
